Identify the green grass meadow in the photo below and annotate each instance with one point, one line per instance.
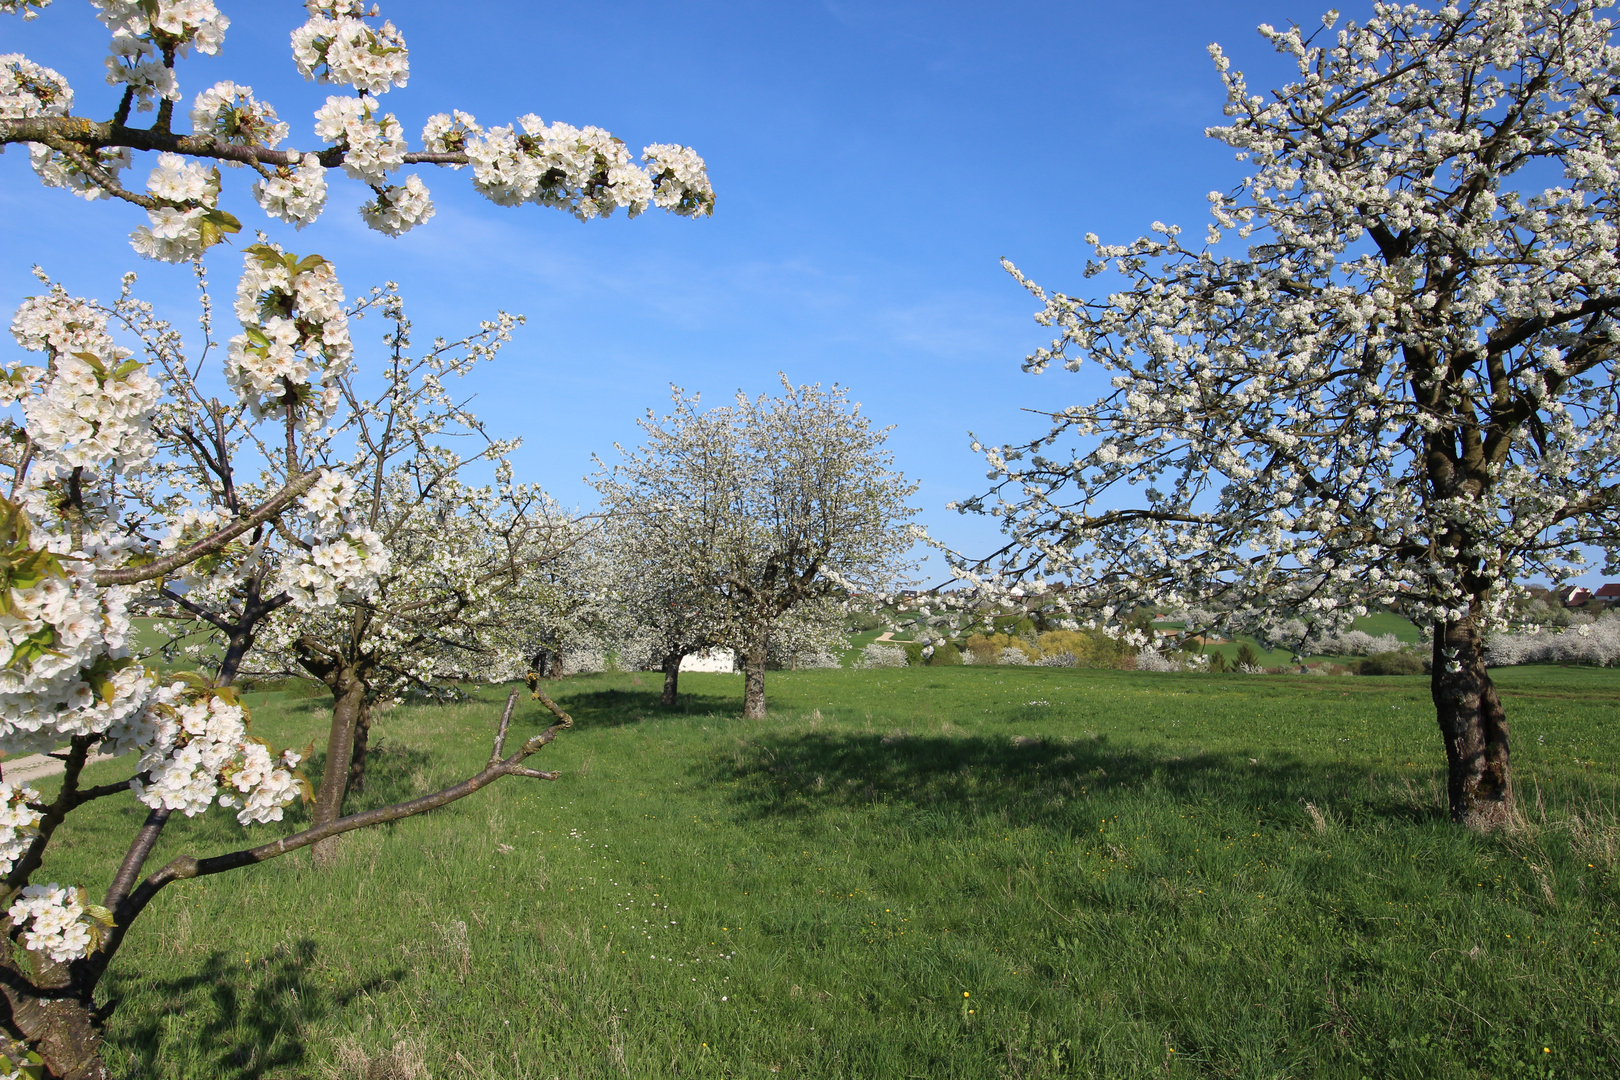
(923, 872)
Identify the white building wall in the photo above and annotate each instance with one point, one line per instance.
(723, 660)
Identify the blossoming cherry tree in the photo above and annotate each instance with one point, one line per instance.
(1402, 392)
(108, 445)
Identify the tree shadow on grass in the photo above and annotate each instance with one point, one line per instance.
(231, 1018)
(617, 707)
(1035, 781)
(394, 773)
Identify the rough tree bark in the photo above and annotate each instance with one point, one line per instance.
(546, 663)
(672, 676)
(43, 1001)
(754, 679)
(348, 702)
(1474, 727)
(64, 1031)
(362, 742)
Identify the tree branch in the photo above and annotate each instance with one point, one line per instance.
(270, 508)
(189, 866)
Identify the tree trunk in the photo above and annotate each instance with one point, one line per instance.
(672, 676)
(754, 680)
(1474, 726)
(64, 1031)
(348, 702)
(362, 739)
(241, 640)
(547, 664)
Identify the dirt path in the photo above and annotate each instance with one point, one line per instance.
(33, 767)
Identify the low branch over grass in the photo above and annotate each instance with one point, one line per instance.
(189, 866)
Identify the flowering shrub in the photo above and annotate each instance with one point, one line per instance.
(987, 648)
(1355, 643)
(1395, 662)
(879, 655)
(1596, 643)
(1154, 660)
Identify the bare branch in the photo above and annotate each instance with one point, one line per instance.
(158, 568)
(189, 866)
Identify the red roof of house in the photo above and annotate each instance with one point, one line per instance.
(1611, 589)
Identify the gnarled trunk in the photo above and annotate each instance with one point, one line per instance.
(362, 741)
(754, 679)
(64, 1031)
(672, 676)
(1474, 726)
(546, 663)
(348, 703)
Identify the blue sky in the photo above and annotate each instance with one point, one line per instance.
(873, 160)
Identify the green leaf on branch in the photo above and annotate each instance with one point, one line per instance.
(216, 224)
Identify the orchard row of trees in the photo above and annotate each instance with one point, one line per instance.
(314, 515)
(299, 509)
(750, 524)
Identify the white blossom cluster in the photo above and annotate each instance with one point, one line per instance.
(184, 222)
(1402, 393)
(583, 170)
(58, 921)
(338, 557)
(19, 822)
(63, 641)
(30, 89)
(295, 334)
(399, 208)
(336, 45)
(811, 634)
(347, 564)
(63, 646)
(373, 143)
(431, 592)
(295, 194)
(201, 751)
(1353, 643)
(59, 324)
(448, 133)
(231, 114)
(1163, 663)
(92, 409)
(879, 655)
(586, 171)
(28, 9)
(143, 29)
(680, 179)
(55, 169)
